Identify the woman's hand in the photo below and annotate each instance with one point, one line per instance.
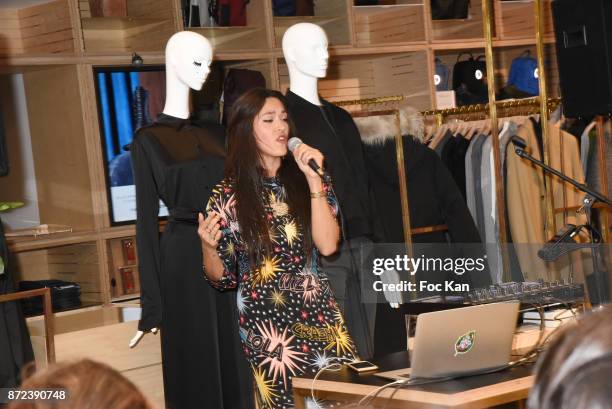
(209, 230)
(303, 154)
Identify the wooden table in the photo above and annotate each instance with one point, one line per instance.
(472, 392)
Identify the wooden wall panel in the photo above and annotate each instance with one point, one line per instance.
(56, 125)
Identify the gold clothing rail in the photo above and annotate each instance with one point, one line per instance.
(371, 101)
(468, 110)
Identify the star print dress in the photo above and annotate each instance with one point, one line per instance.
(290, 324)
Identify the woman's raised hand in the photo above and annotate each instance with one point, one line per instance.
(209, 230)
(303, 154)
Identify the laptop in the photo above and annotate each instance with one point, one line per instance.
(460, 341)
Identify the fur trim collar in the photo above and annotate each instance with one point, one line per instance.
(376, 130)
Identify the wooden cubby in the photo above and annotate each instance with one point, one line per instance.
(264, 66)
(253, 36)
(331, 15)
(53, 130)
(516, 19)
(463, 29)
(123, 268)
(77, 263)
(144, 25)
(355, 77)
(36, 27)
(503, 57)
(389, 24)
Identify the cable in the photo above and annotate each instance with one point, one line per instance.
(372, 395)
(334, 367)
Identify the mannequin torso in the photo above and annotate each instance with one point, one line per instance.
(332, 130)
(179, 163)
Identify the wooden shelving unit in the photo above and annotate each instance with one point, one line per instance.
(53, 46)
(36, 27)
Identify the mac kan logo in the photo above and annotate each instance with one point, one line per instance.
(465, 343)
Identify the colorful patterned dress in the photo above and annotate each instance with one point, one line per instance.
(290, 323)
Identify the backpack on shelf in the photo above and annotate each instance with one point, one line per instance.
(469, 80)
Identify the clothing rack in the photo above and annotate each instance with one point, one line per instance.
(530, 105)
(399, 146)
(507, 108)
(371, 101)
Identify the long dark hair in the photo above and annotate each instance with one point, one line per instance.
(243, 166)
(575, 370)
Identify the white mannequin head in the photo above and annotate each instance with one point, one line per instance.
(188, 59)
(305, 51)
(188, 56)
(305, 48)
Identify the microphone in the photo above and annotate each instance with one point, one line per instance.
(519, 146)
(293, 143)
(518, 142)
(562, 243)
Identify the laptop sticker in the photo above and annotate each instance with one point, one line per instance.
(465, 343)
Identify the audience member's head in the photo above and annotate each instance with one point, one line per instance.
(575, 371)
(89, 384)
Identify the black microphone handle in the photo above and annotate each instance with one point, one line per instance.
(323, 174)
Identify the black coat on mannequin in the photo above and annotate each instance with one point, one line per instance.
(202, 360)
(331, 130)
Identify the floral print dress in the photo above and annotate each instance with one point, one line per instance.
(290, 324)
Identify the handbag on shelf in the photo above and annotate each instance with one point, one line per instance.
(283, 8)
(237, 82)
(449, 9)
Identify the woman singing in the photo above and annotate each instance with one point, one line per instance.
(267, 222)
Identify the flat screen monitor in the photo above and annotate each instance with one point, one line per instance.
(128, 98)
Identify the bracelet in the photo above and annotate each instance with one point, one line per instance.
(316, 195)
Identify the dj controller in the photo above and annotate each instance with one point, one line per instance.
(530, 292)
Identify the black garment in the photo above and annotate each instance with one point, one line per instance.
(433, 194)
(202, 359)
(4, 161)
(332, 130)
(453, 156)
(434, 199)
(15, 345)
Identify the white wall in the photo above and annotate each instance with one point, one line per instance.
(20, 184)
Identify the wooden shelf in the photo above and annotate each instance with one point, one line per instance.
(127, 297)
(517, 18)
(471, 44)
(335, 26)
(141, 25)
(466, 29)
(378, 25)
(234, 38)
(365, 76)
(77, 262)
(89, 316)
(118, 34)
(21, 244)
(36, 27)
